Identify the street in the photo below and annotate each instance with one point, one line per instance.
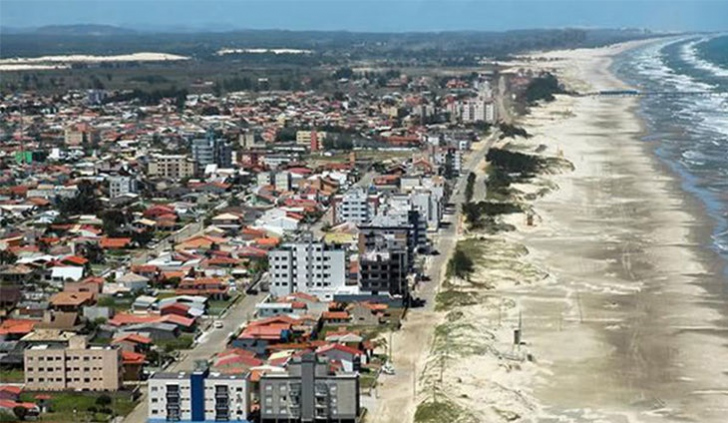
(210, 342)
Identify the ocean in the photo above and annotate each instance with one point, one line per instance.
(690, 132)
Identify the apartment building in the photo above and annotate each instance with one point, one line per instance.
(309, 392)
(385, 270)
(312, 139)
(121, 185)
(306, 266)
(355, 206)
(198, 396)
(173, 166)
(80, 134)
(78, 366)
(211, 150)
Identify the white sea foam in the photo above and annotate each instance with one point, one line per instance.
(690, 55)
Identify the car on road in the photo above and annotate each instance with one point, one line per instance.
(218, 324)
(251, 291)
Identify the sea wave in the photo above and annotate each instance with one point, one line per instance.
(690, 55)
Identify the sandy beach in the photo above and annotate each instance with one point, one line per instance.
(621, 305)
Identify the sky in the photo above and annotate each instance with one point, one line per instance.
(371, 15)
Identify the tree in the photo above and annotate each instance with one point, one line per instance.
(20, 412)
(103, 400)
(460, 265)
(7, 257)
(469, 187)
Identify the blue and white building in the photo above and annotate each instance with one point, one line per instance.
(198, 396)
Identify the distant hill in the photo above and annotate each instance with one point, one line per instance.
(83, 30)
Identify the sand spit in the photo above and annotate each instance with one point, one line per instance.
(619, 304)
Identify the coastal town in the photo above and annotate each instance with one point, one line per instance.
(239, 256)
(357, 212)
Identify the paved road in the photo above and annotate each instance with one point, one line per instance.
(446, 238)
(209, 343)
(163, 245)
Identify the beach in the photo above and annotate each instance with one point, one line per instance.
(620, 305)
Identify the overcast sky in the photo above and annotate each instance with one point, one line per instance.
(372, 15)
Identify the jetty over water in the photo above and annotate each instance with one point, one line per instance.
(638, 93)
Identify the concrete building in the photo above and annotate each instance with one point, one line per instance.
(306, 266)
(312, 139)
(80, 134)
(121, 185)
(173, 166)
(309, 392)
(212, 150)
(283, 181)
(355, 206)
(198, 396)
(385, 270)
(79, 366)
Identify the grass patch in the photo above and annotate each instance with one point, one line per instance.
(442, 410)
(217, 307)
(368, 380)
(184, 342)
(12, 376)
(449, 299)
(63, 405)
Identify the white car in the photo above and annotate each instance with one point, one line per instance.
(218, 324)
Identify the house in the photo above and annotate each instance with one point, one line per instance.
(156, 331)
(133, 365)
(61, 274)
(336, 318)
(143, 303)
(114, 243)
(133, 342)
(60, 320)
(14, 329)
(133, 282)
(366, 314)
(259, 335)
(350, 358)
(213, 288)
(71, 301)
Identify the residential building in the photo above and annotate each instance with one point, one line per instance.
(307, 266)
(80, 134)
(53, 367)
(172, 166)
(355, 206)
(312, 139)
(212, 150)
(198, 396)
(384, 271)
(283, 181)
(309, 392)
(122, 185)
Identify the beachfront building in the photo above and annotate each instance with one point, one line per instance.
(198, 396)
(306, 266)
(308, 392)
(78, 366)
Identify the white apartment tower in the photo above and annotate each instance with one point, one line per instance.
(307, 266)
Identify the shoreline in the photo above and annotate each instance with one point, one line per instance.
(661, 336)
(620, 300)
